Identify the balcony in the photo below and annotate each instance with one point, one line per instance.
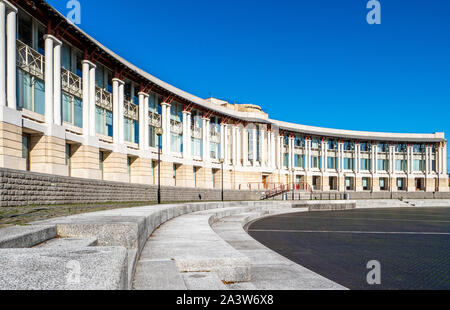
(176, 127)
(30, 60)
(154, 119)
(103, 99)
(71, 83)
(131, 110)
(196, 132)
(215, 136)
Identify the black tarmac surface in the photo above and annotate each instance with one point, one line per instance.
(411, 244)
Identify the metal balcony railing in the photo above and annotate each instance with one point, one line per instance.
(71, 83)
(215, 136)
(176, 127)
(131, 110)
(30, 60)
(154, 119)
(103, 98)
(196, 132)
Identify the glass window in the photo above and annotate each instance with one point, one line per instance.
(400, 165)
(332, 144)
(383, 148)
(25, 27)
(299, 161)
(100, 77)
(349, 146)
(315, 143)
(366, 164)
(176, 143)
(30, 92)
(383, 165)
(349, 163)
(250, 145)
(286, 160)
(66, 57)
(196, 147)
(316, 162)
(331, 162)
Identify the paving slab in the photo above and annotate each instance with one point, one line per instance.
(158, 275)
(205, 281)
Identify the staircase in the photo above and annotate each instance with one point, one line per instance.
(301, 191)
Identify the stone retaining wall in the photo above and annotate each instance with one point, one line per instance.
(20, 188)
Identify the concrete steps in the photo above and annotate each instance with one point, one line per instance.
(68, 243)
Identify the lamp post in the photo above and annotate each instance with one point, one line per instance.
(293, 183)
(159, 132)
(221, 162)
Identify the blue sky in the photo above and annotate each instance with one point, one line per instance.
(314, 62)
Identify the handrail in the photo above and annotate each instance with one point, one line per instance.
(30, 60)
(283, 188)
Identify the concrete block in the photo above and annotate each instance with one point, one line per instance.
(68, 243)
(26, 236)
(94, 268)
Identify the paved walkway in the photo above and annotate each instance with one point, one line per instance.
(270, 271)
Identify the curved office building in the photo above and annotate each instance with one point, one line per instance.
(71, 107)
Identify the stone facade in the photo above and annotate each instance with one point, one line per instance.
(20, 188)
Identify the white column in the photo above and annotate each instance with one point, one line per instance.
(340, 157)
(269, 149)
(254, 146)
(48, 79)
(2, 54)
(166, 127)
(262, 144)
(244, 145)
(57, 83)
(375, 158)
(142, 121)
(273, 150)
(206, 139)
(444, 168)
(11, 73)
(291, 154)
(308, 154)
(189, 135)
(225, 143)
(116, 83)
(239, 146)
(234, 145)
(324, 156)
(85, 68)
(186, 134)
(121, 113)
(222, 141)
(92, 129)
(357, 156)
(278, 152)
(146, 122)
(392, 159)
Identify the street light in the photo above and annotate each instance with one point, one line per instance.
(159, 132)
(221, 162)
